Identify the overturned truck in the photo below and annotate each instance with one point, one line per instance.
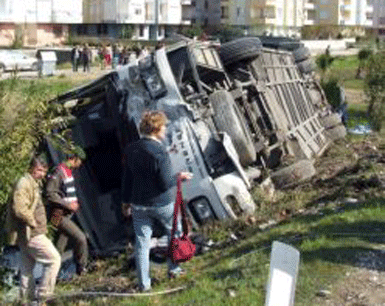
(236, 112)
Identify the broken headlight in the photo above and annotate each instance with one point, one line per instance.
(201, 210)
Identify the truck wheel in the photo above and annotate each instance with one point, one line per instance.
(306, 66)
(290, 175)
(335, 133)
(240, 49)
(331, 120)
(227, 118)
(301, 54)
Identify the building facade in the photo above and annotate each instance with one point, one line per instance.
(147, 19)
(379, 17)
(37, 22)
(356, 13)
(276, 17)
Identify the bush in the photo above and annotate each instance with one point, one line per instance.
(332, 91)
(25, 117)
(323, 62)
(375, 89)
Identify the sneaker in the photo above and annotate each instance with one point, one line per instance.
(176, 273)
(81, 270)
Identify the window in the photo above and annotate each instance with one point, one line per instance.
(381, 20)
(270, 12)
(102, 29)
(238, 11)
(224, 12)
(148, 12)
(369, 16)
(206, 4)
(324, 2)
(141, 30)
(138, 11)
(57, 30)
(323, 14)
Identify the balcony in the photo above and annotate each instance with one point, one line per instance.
(185, 2)
(345, 9)
(309, 6)
(309, 22)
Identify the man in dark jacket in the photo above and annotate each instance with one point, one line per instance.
(63, 203)
(147, 183)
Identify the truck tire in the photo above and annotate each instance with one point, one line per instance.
(335, 133)
(240, 49)
(295, 173)
(227, 118)
(331, 120)
(301, 54)
(306, 66)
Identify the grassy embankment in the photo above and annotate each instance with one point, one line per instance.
(314, 217)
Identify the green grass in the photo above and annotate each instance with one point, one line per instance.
(344, 68)
(329, 242)
(357, 114)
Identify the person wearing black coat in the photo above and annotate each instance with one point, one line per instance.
(147, 191)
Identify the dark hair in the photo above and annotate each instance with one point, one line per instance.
(76, 151)
(38, 161)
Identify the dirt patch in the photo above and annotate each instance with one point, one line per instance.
(362, 286)
(354, 96)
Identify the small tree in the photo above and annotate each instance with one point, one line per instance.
(323, 62)
(375, 89)
(126, 31)
(195, 31)
(332, 91)
(363, 56)
(18, 39)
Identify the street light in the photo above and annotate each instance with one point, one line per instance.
(156, 19)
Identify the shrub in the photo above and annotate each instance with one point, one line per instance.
(323, 62)
(375, 88)
(25, 117)
(363, 56)
(332, 91)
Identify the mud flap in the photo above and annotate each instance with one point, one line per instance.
(233, 155)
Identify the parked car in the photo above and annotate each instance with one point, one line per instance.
(235, 111)
(11, 60)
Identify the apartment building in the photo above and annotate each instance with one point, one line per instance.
(37, 22)
(277, 17)
(379, 17)
(356, 13)
(338, 12)
(147, 19)
(206, 12)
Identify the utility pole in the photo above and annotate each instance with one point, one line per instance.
(156, 19)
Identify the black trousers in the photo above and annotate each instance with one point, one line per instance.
(68, 230)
